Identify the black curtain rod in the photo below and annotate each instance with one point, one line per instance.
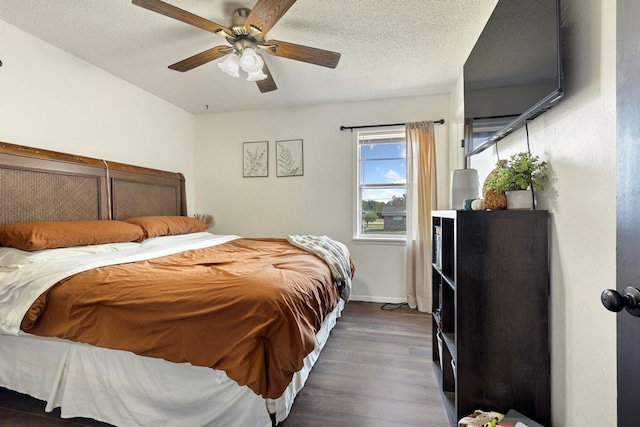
(440, 122)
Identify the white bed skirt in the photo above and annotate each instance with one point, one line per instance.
(123, 389)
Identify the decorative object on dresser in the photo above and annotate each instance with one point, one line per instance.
(464, 185)
(491, 309)
(518, 178)
(493, 200)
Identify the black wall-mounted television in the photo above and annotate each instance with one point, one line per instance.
(514, 72)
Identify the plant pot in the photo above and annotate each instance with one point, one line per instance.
(519, 200)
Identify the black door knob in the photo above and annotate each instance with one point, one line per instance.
(614, 301)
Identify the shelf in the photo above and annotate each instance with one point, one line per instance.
(449, 340)
(492, 292)
(449, 281)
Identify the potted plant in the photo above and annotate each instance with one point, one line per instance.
(518, 178)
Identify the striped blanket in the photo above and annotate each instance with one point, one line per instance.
(331, 252)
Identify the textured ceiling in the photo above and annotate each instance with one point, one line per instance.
(389, 48)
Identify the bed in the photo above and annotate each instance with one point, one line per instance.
(117, 306)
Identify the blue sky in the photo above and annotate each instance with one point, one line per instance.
(383, 163)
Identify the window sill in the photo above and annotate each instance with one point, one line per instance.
(391, 241)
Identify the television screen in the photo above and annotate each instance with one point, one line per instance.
(514, 72)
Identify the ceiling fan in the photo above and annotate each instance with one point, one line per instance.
(246, 35)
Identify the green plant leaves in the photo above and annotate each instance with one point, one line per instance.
(519, 173)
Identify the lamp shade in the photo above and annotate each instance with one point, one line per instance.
(250, 61)
(231, 65)
(255, 76)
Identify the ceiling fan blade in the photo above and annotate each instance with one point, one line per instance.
(268, 84)
(265, 14)
(201, 58)
(312, 55)
(181, 15)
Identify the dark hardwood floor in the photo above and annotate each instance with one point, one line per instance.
(374, 371)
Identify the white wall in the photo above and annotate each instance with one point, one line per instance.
(321, 201)
(577, 138)
(52, 100)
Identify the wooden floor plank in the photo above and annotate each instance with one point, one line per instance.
(375, 370)
(382, 372)
(372, 408)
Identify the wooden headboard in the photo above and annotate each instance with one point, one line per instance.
(42, 185)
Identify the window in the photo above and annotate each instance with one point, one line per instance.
(381, 184)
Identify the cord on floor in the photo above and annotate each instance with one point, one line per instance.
(388, 306)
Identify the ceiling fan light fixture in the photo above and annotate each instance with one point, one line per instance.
(250, 61)
(247, 33)
(231, 65)
(256, 76)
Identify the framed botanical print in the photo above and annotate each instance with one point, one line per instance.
(289, 158)
(255, 159)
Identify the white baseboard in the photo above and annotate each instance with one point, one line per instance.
(369, 298)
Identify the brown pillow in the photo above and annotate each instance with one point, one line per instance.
(33, 236)
(155, 226)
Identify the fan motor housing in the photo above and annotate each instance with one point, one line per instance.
(239, 18)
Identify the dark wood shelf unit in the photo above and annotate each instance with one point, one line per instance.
(491, 311)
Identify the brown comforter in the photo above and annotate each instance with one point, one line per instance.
(250, 307)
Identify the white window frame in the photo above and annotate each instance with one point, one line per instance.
(358, 235)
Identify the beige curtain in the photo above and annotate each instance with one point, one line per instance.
(422, 197)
